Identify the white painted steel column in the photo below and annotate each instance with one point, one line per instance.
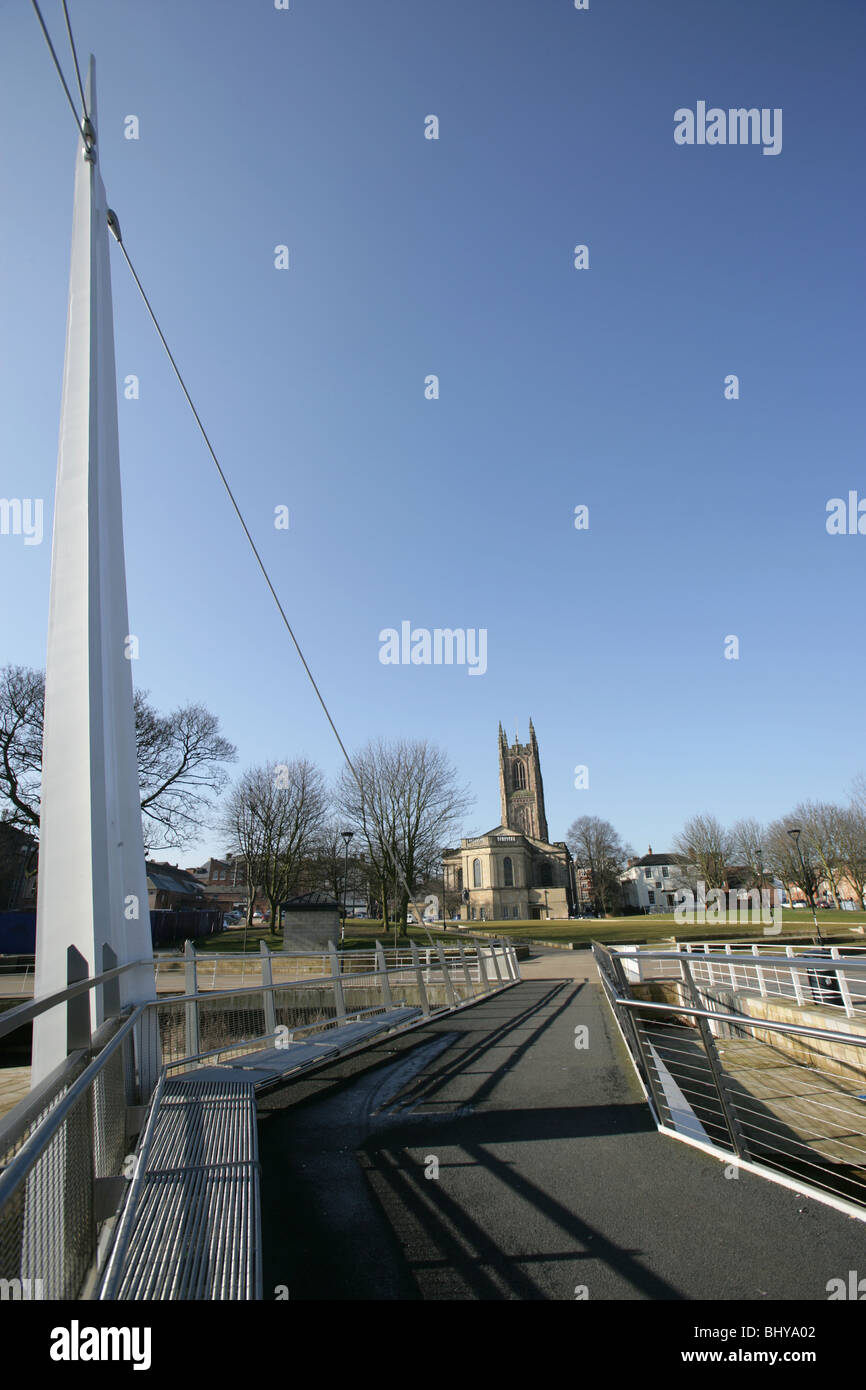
(92, 883)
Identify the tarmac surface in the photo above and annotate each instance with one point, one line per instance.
(486, 1156)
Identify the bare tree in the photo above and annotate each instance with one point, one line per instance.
(180, 772)
(272, 818)
(705, 849)
(851, 831)
(405, 803)
(22, 696)
(821, 825)
(748, 850)
(596, 846)
(180, 757)
(324, 864)
(800, 870)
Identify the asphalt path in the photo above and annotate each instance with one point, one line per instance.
(486, 1156)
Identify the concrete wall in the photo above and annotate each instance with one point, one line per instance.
(842, 1059)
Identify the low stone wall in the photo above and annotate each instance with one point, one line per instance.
(664, 992)
(846, 1060)
(839, 1059)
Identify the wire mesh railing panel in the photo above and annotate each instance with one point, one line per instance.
(109, 1114)
(48, 1226)
(172, 1020)
(230, 1019)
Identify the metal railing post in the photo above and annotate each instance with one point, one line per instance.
(495, 958)
(77, 1008)
(716, 1070)
(419, 976)
(446, 978)
(795, 976)
(111, 988)
(384, 977)
(762, 983)
(483, 978)
(268, 988)
(191, 1012)
(842, 982)
(624, 1017)
(467, 979)
(339, 1001)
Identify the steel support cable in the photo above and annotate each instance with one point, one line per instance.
(115, 228)
(81, 122)
(75, 59)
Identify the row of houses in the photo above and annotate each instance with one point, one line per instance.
(650, 884)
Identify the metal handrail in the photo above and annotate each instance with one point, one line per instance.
(305, 982)
(741, 1020)
(22, 1013)
(790, 962)
(19, 1166)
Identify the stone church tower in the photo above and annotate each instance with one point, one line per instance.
(520, 787)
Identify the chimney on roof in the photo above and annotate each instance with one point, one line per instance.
(649, 849)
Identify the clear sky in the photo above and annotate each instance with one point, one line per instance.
(558, 387)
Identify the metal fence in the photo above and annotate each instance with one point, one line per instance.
(832, 976)
(763, 1062)
(65, 1151)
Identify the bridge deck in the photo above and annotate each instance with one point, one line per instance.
(269, 1066)
(195, 1228)
(551, 1176)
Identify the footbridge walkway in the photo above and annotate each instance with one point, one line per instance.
(442, 1125)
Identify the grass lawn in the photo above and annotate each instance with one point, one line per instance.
(796, 925)
(361, 934)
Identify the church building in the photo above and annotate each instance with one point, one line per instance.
(513, 872)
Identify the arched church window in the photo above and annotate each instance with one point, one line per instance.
(545, 877)
(476, 873)
(518, 776)
(508, 870)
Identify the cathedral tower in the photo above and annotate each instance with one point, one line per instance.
(520, 786)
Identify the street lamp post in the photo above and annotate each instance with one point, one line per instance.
(760, 858)
(795, 833)
(347, 835)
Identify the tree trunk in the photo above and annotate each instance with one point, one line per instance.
(383, 885)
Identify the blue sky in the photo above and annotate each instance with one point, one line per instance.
(558, 387)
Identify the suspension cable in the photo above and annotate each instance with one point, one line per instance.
(79, 121)
(115, 229)
(75, 60)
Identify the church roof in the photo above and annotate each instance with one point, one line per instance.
(508, 831)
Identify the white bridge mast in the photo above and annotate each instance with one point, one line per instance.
(92, 881)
